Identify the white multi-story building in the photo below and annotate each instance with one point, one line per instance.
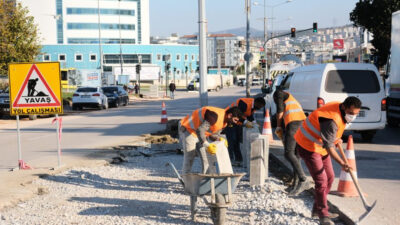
(87, 21)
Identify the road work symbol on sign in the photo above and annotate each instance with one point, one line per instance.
(35, 89)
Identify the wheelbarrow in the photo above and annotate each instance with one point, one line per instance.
(220, 187)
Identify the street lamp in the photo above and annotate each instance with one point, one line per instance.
(272, 23)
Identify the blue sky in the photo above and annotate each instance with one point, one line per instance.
(181, 16)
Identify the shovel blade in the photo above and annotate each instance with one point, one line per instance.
(368, 211)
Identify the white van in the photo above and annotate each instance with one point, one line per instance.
(315, 85)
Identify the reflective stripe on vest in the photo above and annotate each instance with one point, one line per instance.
(189, 123)
(309, 134)
(293, 110)
(311, 138)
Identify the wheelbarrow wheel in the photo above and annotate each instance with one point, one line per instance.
(218, 214)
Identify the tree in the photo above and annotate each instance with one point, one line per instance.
(19, 40)
(376, 17)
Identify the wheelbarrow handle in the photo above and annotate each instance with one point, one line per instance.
(176, 172)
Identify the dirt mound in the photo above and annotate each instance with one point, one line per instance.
(160, 139)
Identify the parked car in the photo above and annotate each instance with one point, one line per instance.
(116, 96)
(89, 97)
(241, 82)
(5, 105)
(315, 85)
(255, 82)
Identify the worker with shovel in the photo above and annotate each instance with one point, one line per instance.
(234, 132)
(199, 128)
(290, 115)
(316, 140)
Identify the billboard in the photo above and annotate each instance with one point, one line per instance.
(146, 73)
(338, 43)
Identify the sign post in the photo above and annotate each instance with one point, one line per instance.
(35, 88)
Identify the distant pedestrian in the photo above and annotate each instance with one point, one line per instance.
(172, 88)
(136, 88)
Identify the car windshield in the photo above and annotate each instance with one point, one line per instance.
(352, 81)
(88, 89)
(109, 89)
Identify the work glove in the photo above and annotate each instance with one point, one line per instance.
(224, 140)
(279, 132)
(249, 125)
(212, 148)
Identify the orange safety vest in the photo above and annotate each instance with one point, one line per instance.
(250, 105)
(309, 134)
(193, 121)
(293, 110)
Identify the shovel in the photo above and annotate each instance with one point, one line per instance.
(367, 207)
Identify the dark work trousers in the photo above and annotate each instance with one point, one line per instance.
(321, 171)
(290, 149)
(234, 135)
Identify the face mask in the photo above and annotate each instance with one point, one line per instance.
(350, 118)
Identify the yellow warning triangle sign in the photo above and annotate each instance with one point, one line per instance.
(35, 92)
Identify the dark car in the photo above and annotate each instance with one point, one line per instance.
(116, 95)
(5, 105)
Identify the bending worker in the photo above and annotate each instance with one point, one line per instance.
(316, 140)
(198, 128)
(234, 132)
(289, 110)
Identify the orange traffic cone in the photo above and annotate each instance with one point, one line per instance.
(23, 166)
(267, 130)
(346, 187)
(164, 118)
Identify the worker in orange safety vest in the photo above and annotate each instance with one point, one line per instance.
(317, 139)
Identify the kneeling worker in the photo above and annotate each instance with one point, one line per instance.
(204, 123)
(234, 132)
(316, 140)
(289, 110)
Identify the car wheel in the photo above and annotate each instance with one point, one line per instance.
(367, 135)
(32, 117)
(126, 101)
(74, 107)
(217, 88)
(392, 122)
(116, 104)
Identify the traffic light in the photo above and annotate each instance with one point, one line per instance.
(240, 44)
(293, 32)
(168, 66)
(138, 68)
(186, 69)
(314, 27)
(174, 69)
(263, 63)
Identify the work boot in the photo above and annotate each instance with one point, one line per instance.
(302, 186)
(326, 221)
(333, 216)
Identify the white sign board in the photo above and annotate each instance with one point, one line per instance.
(146, 73)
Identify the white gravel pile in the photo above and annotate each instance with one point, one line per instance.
(144, 191)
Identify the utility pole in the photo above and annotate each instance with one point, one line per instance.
(219, 68)
(140, 68)
(266, 75)
(202, 54)
(120, 44)
(100, 49)
(248, 54)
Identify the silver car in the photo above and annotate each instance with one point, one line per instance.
(89, 97)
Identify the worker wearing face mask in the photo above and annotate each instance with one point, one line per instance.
(316, 140)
